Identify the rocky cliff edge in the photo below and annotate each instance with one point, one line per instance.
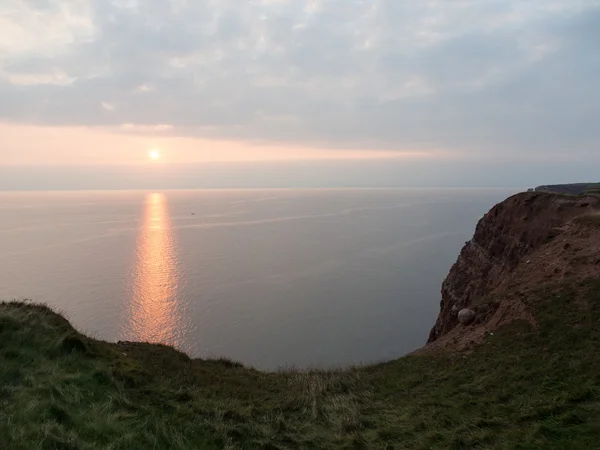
(527, 241)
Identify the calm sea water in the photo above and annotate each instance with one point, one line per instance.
(270, 278)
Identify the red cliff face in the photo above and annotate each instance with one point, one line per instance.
(521, 239)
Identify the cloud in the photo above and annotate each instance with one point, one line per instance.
(107, 106)
(42, 27)
(160, 128)
(490, 78)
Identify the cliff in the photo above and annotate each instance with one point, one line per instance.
(525, 242)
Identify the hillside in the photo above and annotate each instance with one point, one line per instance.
(524, 375)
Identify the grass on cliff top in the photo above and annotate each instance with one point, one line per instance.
(522, 388)
(589, 219)
(595, 191)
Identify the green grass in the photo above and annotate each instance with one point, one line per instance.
(523, 388)
(594, 192)
(575, 189)
(589, 219)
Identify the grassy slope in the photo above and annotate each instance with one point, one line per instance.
(523, 388)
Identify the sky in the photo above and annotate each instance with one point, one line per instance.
(298, 93)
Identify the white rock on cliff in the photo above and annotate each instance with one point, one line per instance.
(466, 316)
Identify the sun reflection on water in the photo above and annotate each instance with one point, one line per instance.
(154, 313)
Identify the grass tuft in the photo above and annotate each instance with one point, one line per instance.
(589, 219)
(74, 343)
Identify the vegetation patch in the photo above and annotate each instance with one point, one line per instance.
(522, 388)
(589, 219)
(594, 192)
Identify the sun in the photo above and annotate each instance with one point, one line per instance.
(154, 155)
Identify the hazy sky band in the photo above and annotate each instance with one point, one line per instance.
(103, 82)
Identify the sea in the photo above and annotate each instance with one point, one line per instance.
(273, 279)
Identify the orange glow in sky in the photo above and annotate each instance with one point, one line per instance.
(45, 145)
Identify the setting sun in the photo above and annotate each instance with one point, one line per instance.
(154, 155)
